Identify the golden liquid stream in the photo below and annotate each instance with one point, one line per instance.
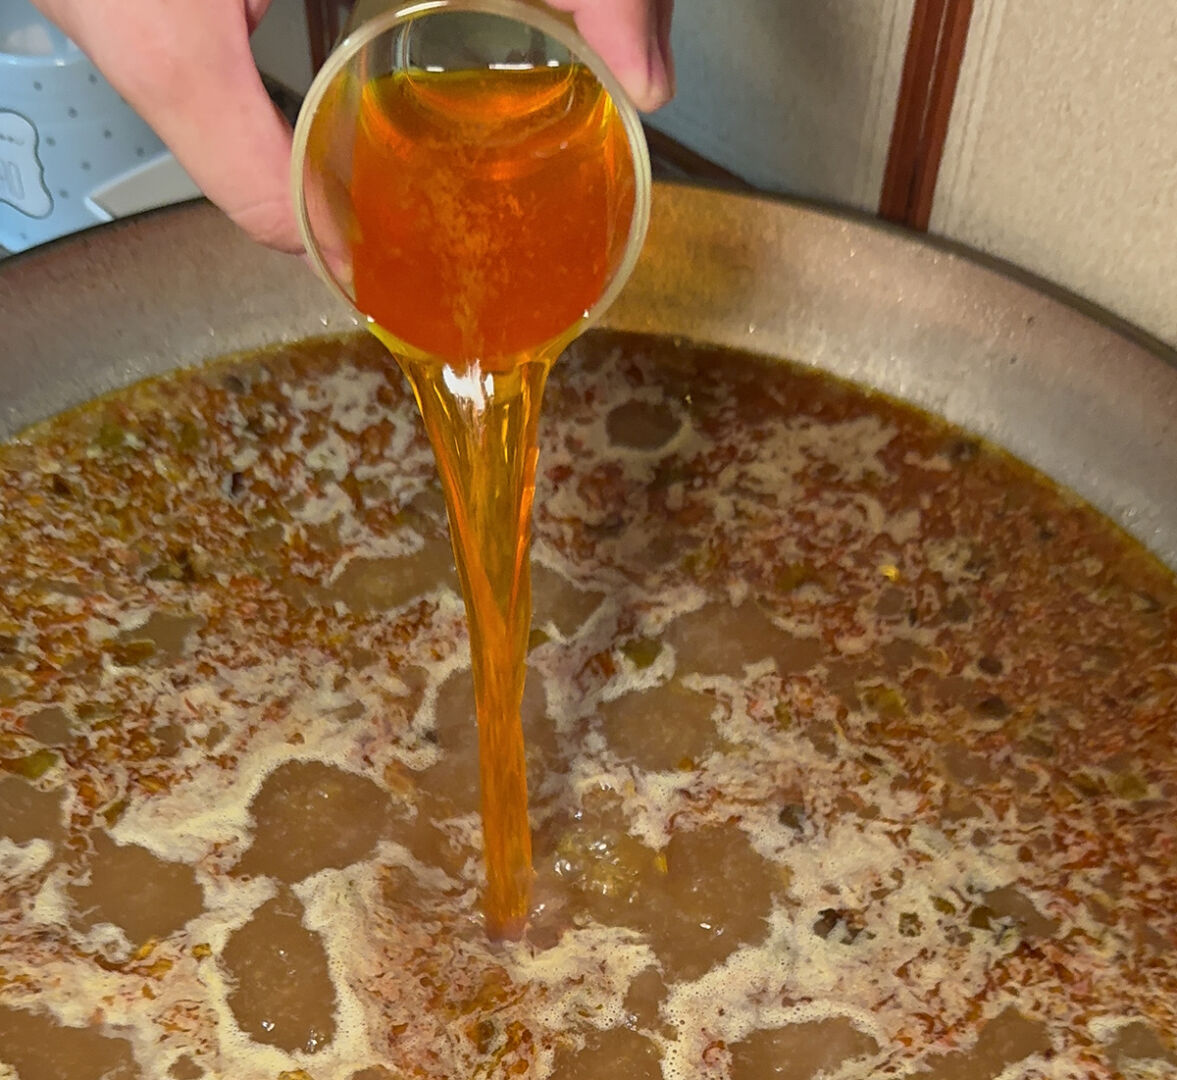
(491, 208)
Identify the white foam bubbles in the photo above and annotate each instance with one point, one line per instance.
(23, 860)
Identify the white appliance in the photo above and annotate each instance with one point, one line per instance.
(72, 152)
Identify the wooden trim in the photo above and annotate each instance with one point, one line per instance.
(334, 20)
(322, 28)
(927, 88)
(316, 33)
(670, 157)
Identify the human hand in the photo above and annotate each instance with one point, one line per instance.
(633, 38)
(186, 68)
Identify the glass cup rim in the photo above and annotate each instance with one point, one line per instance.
(548, 24)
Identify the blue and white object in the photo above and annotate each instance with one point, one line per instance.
(72, 152)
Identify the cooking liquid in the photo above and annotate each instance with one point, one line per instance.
(491, 208)
(953, 849)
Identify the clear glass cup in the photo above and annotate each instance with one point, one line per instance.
(416, 42)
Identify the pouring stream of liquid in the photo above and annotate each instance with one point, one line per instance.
(483, 429)
(490, 208)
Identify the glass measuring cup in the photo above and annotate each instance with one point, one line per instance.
(408, 93)
(471, 178)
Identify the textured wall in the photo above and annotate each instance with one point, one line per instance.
(792, 95)
(1062, 151)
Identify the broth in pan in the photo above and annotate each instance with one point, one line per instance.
(850, 741)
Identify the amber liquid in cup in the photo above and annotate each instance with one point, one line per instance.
(491, 208)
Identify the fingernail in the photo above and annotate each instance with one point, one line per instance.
(660, 63)
(658, 90)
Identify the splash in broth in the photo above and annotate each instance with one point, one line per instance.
(491, 209)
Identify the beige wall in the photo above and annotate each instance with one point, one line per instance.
(792, 95)
(1062, 149)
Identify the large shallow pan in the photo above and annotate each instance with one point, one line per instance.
(1090, 404)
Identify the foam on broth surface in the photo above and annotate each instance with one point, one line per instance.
(850, 742)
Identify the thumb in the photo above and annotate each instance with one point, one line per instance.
(633, 38)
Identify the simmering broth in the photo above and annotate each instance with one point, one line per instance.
(850, 741)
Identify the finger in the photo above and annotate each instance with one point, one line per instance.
(633, 38)
(186, 68)
(665, 19)
(254, 11)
